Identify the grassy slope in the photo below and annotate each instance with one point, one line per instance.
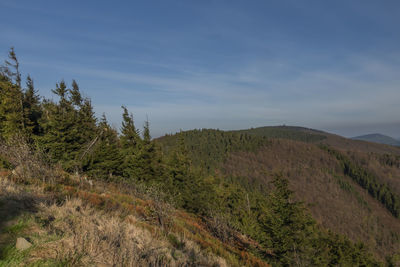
(112, 227)
(317, 178)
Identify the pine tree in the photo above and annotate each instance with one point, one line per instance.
(289, 229)
(11, 68)
(131, 144)
(146, 157)
(76, 96)
(183, 183)
(11, 97)
(61, 91)
(69, 127)
(104, 160)
(32, 108)
(11, 112)
(130, 138)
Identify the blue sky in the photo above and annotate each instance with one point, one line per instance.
(330, 65)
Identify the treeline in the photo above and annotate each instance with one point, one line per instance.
(368, 181)
(207, 148)
(69, 134)
(286, 132)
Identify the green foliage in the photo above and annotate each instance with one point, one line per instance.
(286, 132)
(130, 147)
(345, 185)
(187, 187)
(11, 110)
(289, 229)
(103, 159)
(31, 108)
(68, 127)
(147, 159)
(368, 181)
(207, 148)
(10, 256)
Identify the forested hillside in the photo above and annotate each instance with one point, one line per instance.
(349, 191)
(240, 197)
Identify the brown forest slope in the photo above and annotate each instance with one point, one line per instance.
(335, 200)
(343, 201)
(320, 137)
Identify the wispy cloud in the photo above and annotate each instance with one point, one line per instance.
(189, 65)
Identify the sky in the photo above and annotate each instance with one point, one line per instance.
(329, 65)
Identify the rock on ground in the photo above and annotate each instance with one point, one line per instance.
(22, 244)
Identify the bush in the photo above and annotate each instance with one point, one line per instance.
(27, 163)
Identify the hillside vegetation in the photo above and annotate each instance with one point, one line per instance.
(76, 188)
(378, 138)
(347, 191)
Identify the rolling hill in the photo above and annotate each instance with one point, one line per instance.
(343, 181)
(320, 137)
(378, 138)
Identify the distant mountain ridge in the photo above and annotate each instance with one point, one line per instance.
(378, 138)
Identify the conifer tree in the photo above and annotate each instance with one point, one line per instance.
(11, 112)
(32, 108)
(289, 229)
(184, 184)
(146, 159)
(12, 109)
(11, 68)
(61, 91)
(131, 144)
(104, 160)
(130, 138)
(76, 96)
(86, 126)
(68, 128)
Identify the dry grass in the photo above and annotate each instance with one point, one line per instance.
(74, 233)
(29, 164)
(74, 222)
(94, 238)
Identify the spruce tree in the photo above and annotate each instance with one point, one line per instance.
(183, 183)
(11, 68)
(104, 160)
(69, 127)
(76, 96)
(288, 227)
(11, 111)
(131, 144)
(32, 108)
(146, 158)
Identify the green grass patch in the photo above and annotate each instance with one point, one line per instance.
(10, 256)
(17, 228)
